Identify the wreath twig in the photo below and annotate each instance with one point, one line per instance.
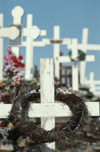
(20, 120)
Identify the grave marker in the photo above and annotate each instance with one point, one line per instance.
(31, 33)
(57, 41)
(12, 33)
(65, 59)
(16, 32)
(84, 46)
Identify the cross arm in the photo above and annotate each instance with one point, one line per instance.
(34, 32)
(65, 41)
(11, 32)
(90, 58)
(86, 46)
(50, 109)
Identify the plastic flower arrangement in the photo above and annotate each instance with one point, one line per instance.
(13, 79)
(13, 76)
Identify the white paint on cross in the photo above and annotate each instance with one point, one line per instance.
(56, 49)
(48, 109)
(75, 80)
(83, 63)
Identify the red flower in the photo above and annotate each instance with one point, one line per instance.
(20, 57)
(22, 65)
(19, 65)
(15, 60)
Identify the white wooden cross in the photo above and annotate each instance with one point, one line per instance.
(84, 46)
(65, 59)
(30, 32)
(57, 41)
(12, 33)
(93, 84)
(48, 109)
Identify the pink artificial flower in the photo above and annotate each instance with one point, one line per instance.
(11, 55)
(10, 62)
(5, 58)
(21, 73)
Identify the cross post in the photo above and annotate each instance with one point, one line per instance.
(56, 50)
(83, 63)
(17, 14)
(47, 93)
(75, 77)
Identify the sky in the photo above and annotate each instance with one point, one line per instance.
(71, 15)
